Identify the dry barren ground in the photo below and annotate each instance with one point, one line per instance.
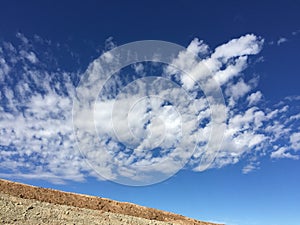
(24, 204)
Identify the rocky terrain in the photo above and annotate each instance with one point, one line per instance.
(24, 204)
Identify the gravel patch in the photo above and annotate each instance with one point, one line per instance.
(14, 210)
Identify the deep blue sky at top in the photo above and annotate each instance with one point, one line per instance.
(84, 27)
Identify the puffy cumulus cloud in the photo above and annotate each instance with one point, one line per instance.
(295, 141)
(282, 152)
(140, 126)
(250, 129)
(4, 69)
(198, 47)
(29, 55)
(245, 45)
(36, 140)
(254, 98)
(237, 90)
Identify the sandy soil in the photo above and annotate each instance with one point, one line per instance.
(24, 204)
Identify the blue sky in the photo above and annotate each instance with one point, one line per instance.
(251, 49)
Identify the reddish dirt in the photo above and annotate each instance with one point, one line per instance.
(91, 202)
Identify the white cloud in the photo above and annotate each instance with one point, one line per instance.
(109, 44)
(295, 141)
(282, 152)
(22, 38)
(30, 56)
(107, 56)
(250, 168)
(39, 138)
(254, 98)
(245, 45)
(295, 117)
(198, 47)
(139, 68)
(281, 40)
(4, 69)
(237, 90)
(232, 69)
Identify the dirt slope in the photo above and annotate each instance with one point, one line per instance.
(107, 211)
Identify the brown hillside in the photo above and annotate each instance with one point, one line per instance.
(102, 205)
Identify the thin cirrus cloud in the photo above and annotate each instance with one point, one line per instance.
(281, 40)
(36, 130)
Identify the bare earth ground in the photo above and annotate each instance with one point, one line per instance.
(24, 204)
